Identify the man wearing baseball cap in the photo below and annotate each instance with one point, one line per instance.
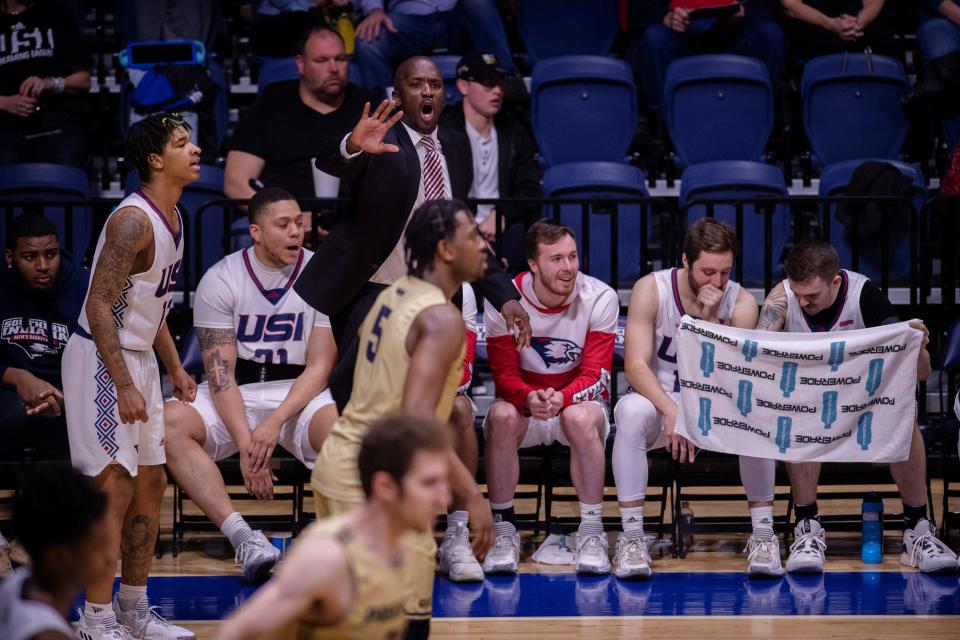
(504, 165)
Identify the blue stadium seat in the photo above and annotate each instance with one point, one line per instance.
(44, 181)
(448, 69)
(851, 107)
(601, 179)
(833, 180)
(583, 108)
(741, 179)
(550, 29)
(718, 107)
(209, 234)
(275, 71)
(191, 355)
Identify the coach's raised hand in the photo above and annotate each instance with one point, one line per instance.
(368, 133)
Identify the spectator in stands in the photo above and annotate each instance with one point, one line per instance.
(554, 391)
(44, 81)
(821, 27)
(279, 24)
(267, 356)
(938, 31)
(276, 139)
(169, 19)
(394, 30)
(504, 162)
(41, 293)
(665, 34)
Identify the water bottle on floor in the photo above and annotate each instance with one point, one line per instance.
(871, 550)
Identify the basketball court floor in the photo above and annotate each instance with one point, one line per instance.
(705, 595)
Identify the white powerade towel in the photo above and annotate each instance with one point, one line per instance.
(802, 397)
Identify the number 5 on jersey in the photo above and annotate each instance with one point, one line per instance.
(377, 330)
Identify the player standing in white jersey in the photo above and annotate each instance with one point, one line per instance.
(646, 417)
(111, 380)
(817, 296)
(267, 356)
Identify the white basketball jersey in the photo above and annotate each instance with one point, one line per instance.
(21, 619)
(848, 317)
(271, 320)
(664, 362)
(145, 298)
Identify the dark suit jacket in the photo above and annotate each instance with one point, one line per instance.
(384, 188)
(518, 175)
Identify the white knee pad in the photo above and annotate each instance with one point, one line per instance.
(639, 425)
(758, 476)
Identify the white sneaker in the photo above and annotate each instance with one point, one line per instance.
(456, 556)
(763, 557)
(257, 556)
(806, 552)
(504, 557)
(923, 550)
(108, 629)
(593, 555)
(148, 624)
(631, 558)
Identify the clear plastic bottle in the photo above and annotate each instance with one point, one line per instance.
(686, 524)
(871, 537)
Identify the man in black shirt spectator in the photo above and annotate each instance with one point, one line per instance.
(44, 81)
(40, 298)
(664, 34)
(277, 137)
(504, 161)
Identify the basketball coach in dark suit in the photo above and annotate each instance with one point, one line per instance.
(392, 164)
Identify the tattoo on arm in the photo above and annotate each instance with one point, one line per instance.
(219, 369)
(773, 314)
(126, 236)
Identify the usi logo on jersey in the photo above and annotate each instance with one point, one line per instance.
(168, 278)
(557, 351)
(279, 327)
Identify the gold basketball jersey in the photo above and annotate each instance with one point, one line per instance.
(377, 611)
(378, 380)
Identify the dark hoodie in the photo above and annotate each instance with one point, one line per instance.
(35, 326)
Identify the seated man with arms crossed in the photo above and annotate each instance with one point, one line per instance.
(554, 391)
(266, 355)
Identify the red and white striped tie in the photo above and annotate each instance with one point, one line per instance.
(432, 171)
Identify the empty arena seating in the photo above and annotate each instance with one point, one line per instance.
(609, 233)
(851, 107)
(550, 29)
(718, 107)
(742, 180)
(583, 108)
(59, 185)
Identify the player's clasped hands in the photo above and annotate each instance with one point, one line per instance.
(544, 403)
(259, 484)
(263, 440)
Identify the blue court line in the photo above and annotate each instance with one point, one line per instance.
(665, 594)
